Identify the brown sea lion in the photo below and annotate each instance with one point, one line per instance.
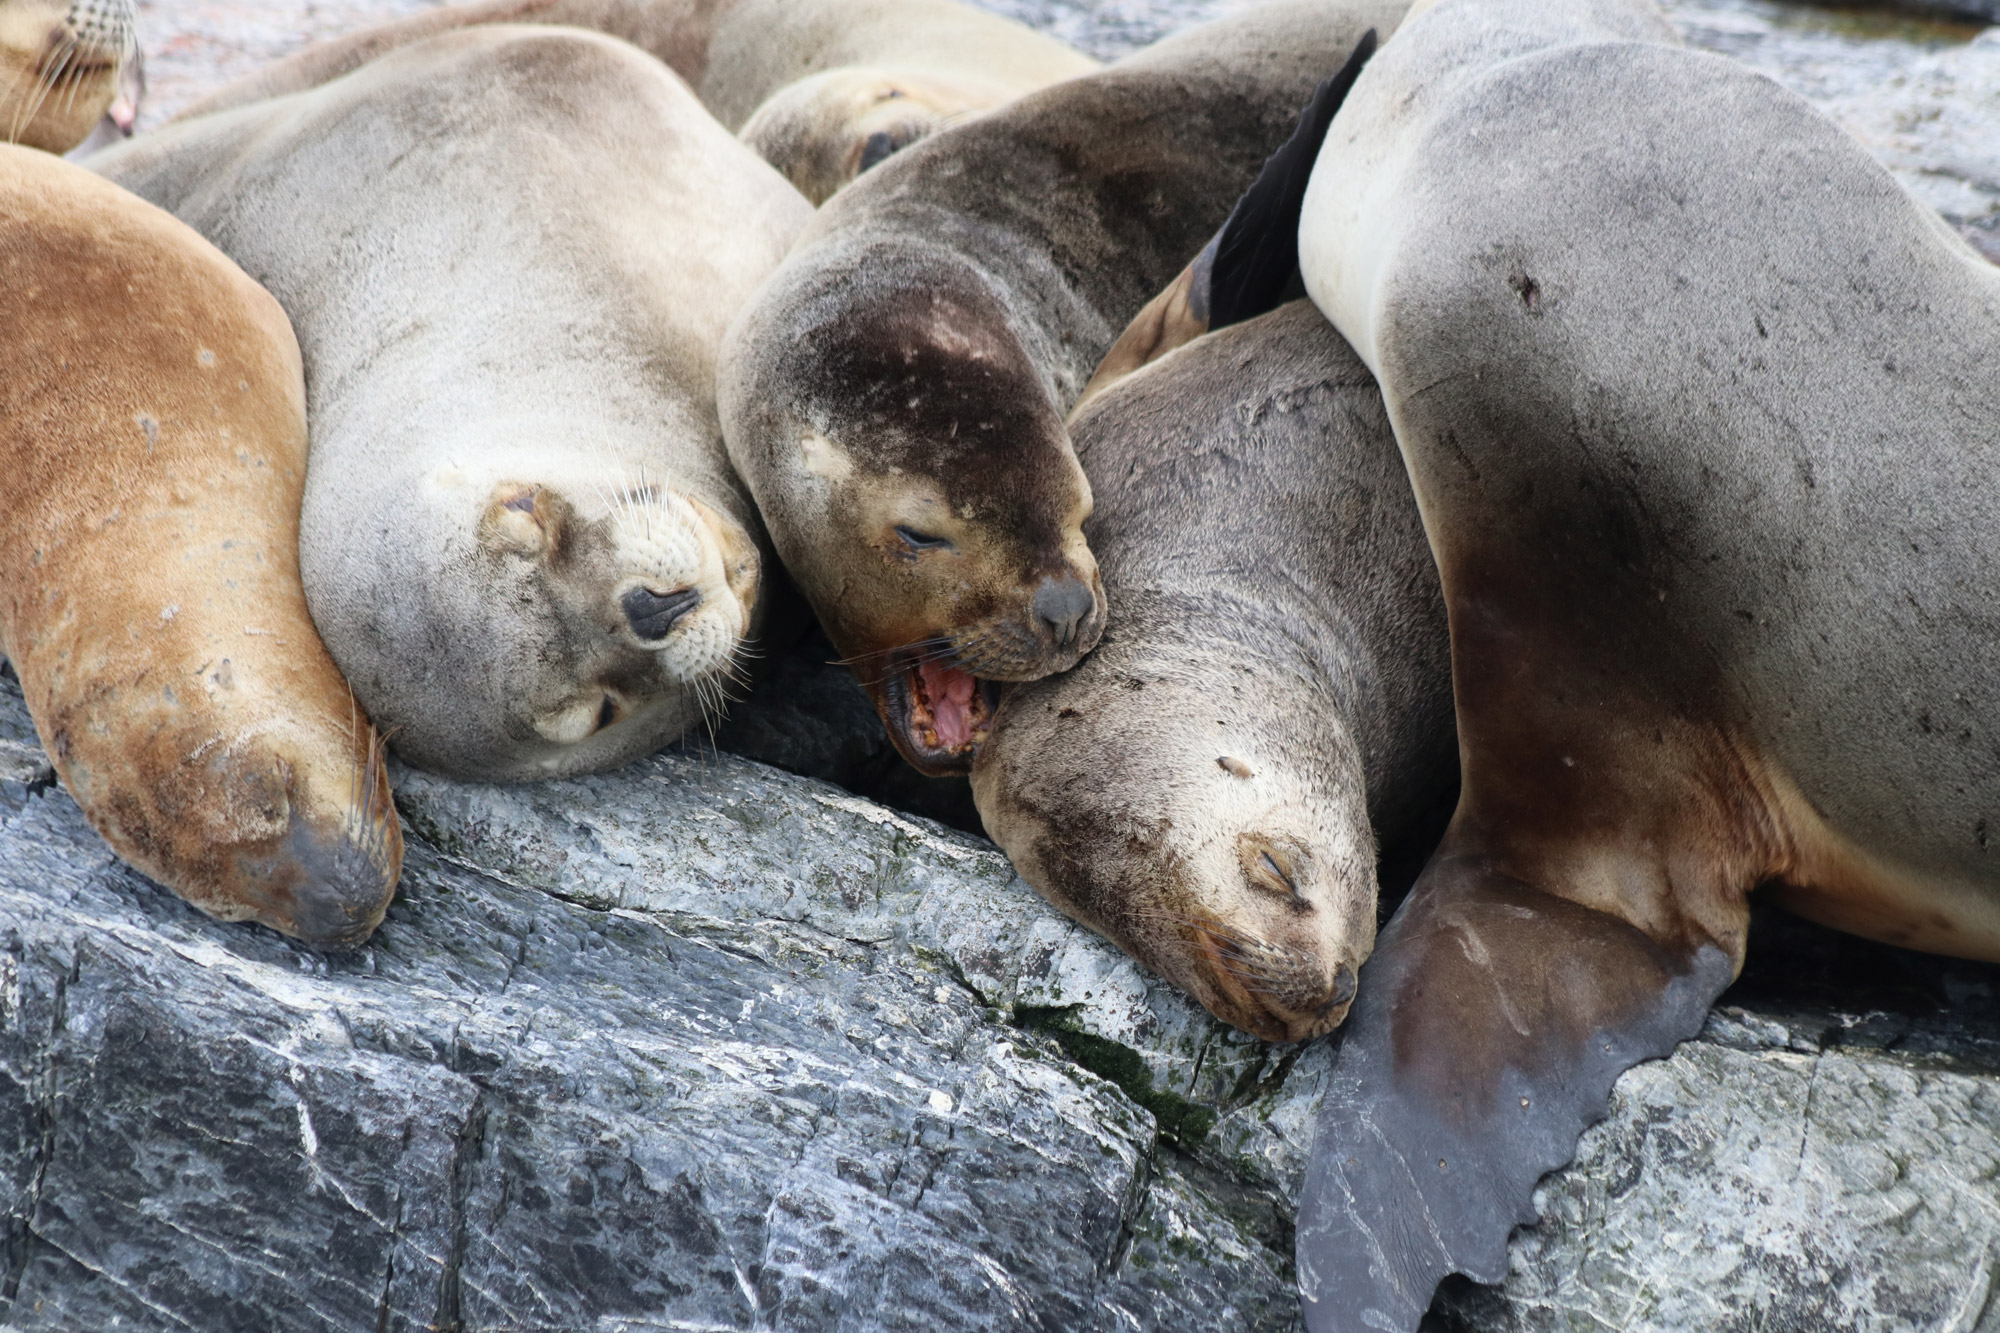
(521, 538)
(59, 68)
(152, 422)
(895, 395)
(877, 74)
(1272, 694)
(1701, 412)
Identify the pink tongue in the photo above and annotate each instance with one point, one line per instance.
(950, 694)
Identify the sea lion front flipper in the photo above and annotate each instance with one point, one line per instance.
(1256, 264)
(1492, 1021)
(1249, 267)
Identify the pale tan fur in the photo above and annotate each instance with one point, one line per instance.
(59, 67)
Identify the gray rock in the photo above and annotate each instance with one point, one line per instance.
(703, 1045)
(697, 1045)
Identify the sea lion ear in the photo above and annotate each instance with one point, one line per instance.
(1492, 1021)
(518, 520)
(1255, 264)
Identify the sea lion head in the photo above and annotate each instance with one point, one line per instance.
(919, 485)
(571, 622)
(59, 68)
(1167, 797)
(825, 130)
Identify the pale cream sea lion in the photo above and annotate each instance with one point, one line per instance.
(1272, 695)
(59, 68)
(823, 88)
(152, 423)
(510, 253)
(895, 394)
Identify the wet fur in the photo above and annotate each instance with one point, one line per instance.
(1274, 606)
(489, 243)
(152, 423)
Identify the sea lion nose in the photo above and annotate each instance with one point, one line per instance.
(1061, 604)
(653, 615)
(1345, 983)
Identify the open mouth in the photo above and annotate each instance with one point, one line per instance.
(937, 714)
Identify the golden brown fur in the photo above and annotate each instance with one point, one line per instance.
(152, 426)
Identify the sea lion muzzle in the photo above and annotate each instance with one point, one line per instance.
(653, 615)
(1062, 605)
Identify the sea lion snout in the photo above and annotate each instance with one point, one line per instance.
(59, 66)
(1062, 605)
(653, 615)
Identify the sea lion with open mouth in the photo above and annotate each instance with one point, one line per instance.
(60, 63)
(152, 423)
(511, 254)
(895, 395)
(1272, 697)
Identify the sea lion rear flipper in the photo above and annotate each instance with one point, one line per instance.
(1250, 266)
(1492, 1021)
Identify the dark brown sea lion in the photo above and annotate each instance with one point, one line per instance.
(1271, 696)
(152, 423)
(1702, 414)
(895, 396)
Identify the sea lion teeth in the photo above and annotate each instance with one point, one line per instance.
(895, 394)
(151, 603)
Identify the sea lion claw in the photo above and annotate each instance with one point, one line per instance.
(1492, 1021)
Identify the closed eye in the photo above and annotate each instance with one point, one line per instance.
(922, 541)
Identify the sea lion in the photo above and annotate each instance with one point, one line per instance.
(510, 254)
(823, 88)
(826, 129)
(120, 120)
(1273, 691)
(152, 420)
(1700, 410)
(59, 68)
(895, 394)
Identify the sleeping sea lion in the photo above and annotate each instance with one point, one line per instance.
(59, 68)
(152, 421)
(895, 394)
(1273, 691)
(1701, 412)
(510, 254)
(823, 88)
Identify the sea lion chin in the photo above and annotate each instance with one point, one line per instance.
(59, 68)
(152, 605)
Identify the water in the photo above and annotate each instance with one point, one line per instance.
(1923, 96)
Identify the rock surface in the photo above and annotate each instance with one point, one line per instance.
(705, 1045)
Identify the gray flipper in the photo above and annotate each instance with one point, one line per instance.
(1492, 1021)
